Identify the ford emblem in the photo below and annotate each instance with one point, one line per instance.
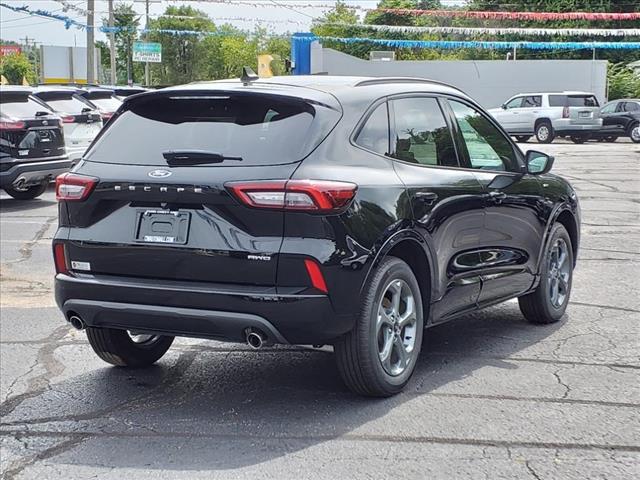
(159, 173)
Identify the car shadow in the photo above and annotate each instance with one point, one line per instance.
(10, 205)
(213, 408)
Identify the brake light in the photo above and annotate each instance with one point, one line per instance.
(300, 195)
(68, 119)
(106, 116)
(74, 187)
(60, 258)
(565, 112)
(12, 125)
(315, 275)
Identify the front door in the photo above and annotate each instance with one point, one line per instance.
(514, 221)
(446, 200)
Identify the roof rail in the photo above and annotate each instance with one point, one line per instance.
(383, 80)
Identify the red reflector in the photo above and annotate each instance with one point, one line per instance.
(306, 195)
(74, 187)
(60, 258)
(317, 279)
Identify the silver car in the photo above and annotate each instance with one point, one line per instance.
(549, 115)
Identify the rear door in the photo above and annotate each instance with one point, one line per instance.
(446, 200)
(147, 218)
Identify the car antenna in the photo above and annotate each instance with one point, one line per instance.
(248, 75)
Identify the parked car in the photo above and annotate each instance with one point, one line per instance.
(548, 115)
(103, 99)
(32, 149)
(80, 119)
(307, 210)
(620, 118)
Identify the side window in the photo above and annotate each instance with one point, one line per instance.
(421, 134)
(631, 106)
(532, 101)
(610, 108)
(488, 148)
(514, 103)
(374, 135)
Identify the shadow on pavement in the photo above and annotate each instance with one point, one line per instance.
(213, 408)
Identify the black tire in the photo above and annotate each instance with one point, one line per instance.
(634, 132)
(28, 193)
(523, 138)
(544, 132)
(118, 348)
(537, 306)
(579, 138)
(357, 352)
(610, 138)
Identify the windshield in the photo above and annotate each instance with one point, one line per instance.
(68, 104)
(260, 129)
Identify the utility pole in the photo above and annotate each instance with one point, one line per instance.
(112, 45)
(146, 27)
(90, 43)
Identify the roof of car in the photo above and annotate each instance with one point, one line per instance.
(56, 88)
(15, 89)
(564, 92)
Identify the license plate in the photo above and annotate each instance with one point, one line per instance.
(163, 227)
(585, 114)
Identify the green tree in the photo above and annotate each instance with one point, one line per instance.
(15, 67)
(127, 20)
(623, 82)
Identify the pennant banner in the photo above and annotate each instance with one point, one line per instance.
(539, 16)
(590, 32)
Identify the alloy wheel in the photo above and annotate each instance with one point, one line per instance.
(396, 328)
(635, 133)
(543, 133)
(559, 274)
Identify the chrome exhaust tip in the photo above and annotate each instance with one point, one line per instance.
(255, 339)
(76, 322)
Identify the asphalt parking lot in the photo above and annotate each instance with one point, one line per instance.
(493, 397)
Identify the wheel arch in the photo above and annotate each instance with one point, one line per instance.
(565, 216)
(541, 120)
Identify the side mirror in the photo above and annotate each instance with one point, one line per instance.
(504, 106)
(538, 162)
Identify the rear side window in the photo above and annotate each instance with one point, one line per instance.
(374, 135)
(420, 134)
(261, 129)
(20, 106)
(67, 103)
(573, 101)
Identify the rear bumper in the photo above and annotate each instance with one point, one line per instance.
(564, 127)
(35, 172)
(199, 310)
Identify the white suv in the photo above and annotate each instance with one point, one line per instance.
(548, 115)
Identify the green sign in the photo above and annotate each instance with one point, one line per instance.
(147, 52)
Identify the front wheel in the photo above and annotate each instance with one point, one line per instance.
(634, 133)
(548, 302)
(28, 193)
(127, 349)
(610, 138)
(378, 357)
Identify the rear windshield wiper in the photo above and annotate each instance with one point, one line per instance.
(42, 113)
(177, 158)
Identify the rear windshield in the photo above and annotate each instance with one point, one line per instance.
(19, 106)
(107, 104)
(260, 129)
(573, 101)
(67, 104)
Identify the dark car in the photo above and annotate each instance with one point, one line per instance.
(32, 148)
(307, 210)
(620, 118)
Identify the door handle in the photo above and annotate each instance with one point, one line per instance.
(426, 197)
(497, 196)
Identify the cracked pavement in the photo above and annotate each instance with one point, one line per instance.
(492, 397)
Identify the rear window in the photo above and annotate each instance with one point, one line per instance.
(573, 101)
(261, 129)
(67, 104)
(107, 104)
(20, 106)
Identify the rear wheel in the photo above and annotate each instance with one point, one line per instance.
(378, 357)
(549, 301)
(544, 132)
(579, 138)
(523, 138)
(127, 349)
(634, 133)
(27, 193)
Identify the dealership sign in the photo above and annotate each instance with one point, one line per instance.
(147, 52)
(9, 50)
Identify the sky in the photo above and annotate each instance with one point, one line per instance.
(279, 16)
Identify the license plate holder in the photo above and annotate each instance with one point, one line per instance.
(163, 227)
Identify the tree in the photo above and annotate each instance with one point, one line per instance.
(15, 67)
(127, 20)
(623, 82)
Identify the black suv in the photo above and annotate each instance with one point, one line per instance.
(620, 118)
(32, 149)
(307, 210)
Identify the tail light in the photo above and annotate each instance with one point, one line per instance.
(106, 116)
(68, 119)
(565, 112)
(322, 196)
(74, 187)
(315, 275)
(12, 125)
(60, 258)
